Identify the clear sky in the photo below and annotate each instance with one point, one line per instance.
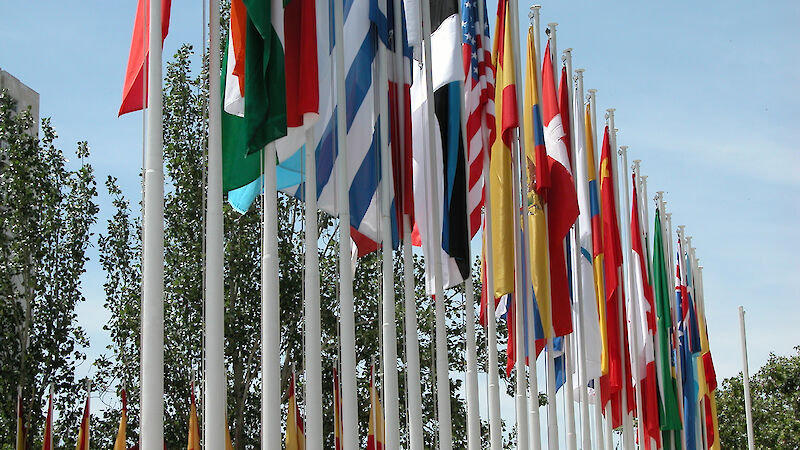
(706, 95)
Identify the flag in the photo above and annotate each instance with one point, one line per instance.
(47, 438)
(707, 379)
(119, 443)
(193, 440)
(669, 413)
(644, 326)
(337, 412)
(134, 90)
(688, 362)
(22, 431)
(615, 300)
(448, 172)
(83, 431)
(537, 232)
(479, 104)
(282, 42)
(228, 443)
(555, 185)
(587, 202)
(500, 176)
(376, 434)
(596, 241)
(295, 440)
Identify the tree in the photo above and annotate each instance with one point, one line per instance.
(775, 395)
(46, 211)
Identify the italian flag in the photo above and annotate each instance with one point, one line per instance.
(270, 84)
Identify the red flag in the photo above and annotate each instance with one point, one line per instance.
(83, 431)
(134, 91)
(47, 442)
(555, 185)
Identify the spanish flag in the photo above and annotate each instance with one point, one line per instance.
(83, 431)
(119, 444)
(194, 427)
(295, 440)
(21, 430)
(500, 176)
(376, 434)
(337, 412)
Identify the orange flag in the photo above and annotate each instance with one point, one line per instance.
(119, 443)
(294, 421)
(194, 427)
(337, 412)
(376, 435)
(83, 431)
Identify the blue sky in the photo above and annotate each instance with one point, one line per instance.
(706, 95)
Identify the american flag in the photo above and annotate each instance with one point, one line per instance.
(478, 101)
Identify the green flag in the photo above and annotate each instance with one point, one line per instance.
(669, 414)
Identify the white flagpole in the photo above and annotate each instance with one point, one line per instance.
(492, 376)
(313, 332)
(347, 340)
(471, 357)
(270, 309)
(602, 428)
(533, 405)
(520, 284)
(586, 434)
(633, 313)
(413, 384)
(152, 354)
(748, 408)
(442, 365)
(495, 420)
(626, 422)
(389, 327)
(215, 386)
(552, 420)
(572, 438)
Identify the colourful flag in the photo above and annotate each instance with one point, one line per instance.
(295, 440)
(47, 440)
(669, 413)
(537, 231)
(587, 201)
(22, 431)
(596, 241)
(193, 441)
(644, 327)
(615, 300)
(442, 184)
(228, 443)
(83, 431)
(337, 412)
(688, 361)
(376, 434)
(555, 185)
(500, 177)
(707, 378)
(134, 90)
(479, 104)
(119, 443)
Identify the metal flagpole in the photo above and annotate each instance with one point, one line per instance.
(533, 405)
(152, 354)
(572, 439)
(442, 365)
(626, 427)
(586, 437)
(215, 385)
(270, 309)
(633, 310)
(602, 428)
(312, 343)
(552, 420)
(520, 284)
(347, 321)
(471, 357)
(413, 386)
(389, 326)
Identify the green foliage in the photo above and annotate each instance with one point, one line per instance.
(775, 395)
(46, 212)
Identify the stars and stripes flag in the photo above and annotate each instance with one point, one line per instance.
(478, 102)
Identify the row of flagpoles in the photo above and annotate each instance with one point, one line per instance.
(435, 138)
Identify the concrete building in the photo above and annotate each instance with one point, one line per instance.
(25, 97)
